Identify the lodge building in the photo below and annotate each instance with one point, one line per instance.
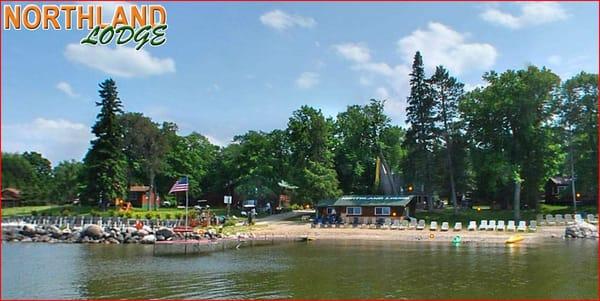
(369, 205)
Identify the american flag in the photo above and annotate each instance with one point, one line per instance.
(181, 185)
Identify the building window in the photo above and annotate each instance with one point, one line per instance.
(330, 210)
(382, 210)
(353, 210)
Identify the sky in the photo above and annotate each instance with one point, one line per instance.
(228, 68)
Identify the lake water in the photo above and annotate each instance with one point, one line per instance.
(556, 269)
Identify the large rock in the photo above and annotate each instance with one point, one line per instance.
(149, 239)
(165, 232)
(93, 231)
(581, 230)
(28, 230)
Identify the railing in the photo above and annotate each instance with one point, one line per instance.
(80, 221)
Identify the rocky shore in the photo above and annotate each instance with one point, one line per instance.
(581, 230)
(95, 234)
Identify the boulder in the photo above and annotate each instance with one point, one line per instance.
(28, 230)
(149, 239)
(160, 238)
(581, 230)
(93, 231)
(141, 233)
(165, 232)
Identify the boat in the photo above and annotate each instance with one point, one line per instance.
(308, 238)
(514, 239)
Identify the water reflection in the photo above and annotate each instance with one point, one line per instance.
(322, 270)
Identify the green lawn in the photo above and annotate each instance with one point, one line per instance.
(464, 216)
(56, 210)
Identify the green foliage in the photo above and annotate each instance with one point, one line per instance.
(34, 213)
(138, 216)
(67, 181)
(178, 215)
(94, 213)
(168, 216)
(128, 214)
(148, 215)
(311, 140)
(229, 223)
(105, 162)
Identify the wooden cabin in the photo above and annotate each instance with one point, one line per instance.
(556, 190)
(142, 196)
(11, 197)
(369, 205)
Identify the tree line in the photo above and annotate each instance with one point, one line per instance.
(499, 143)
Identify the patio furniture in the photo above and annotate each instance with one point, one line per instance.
(458, 226)
(511, 226)
(421, 225)
(550, 221)
(532, 226)
(472, 226)
(559, 219)
(404, 225)
(445, 226)
(491, 225)
(500, 226)
(522, 226)
(433, 226)
(483, 225)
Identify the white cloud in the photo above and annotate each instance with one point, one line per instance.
(441, 45)
(307, 80)
(217, 141)
(119, 61)
(531, 13)
(56, 139)
(356, 52)
(281, 20)
(67, 89)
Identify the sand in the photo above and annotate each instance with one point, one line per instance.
(295, 229)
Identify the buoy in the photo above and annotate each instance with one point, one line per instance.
(431, 236)
(456, 239)
(514, 239)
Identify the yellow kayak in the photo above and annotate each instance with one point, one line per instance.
(515, 238)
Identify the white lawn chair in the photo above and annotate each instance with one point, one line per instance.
(511, 226)
(387, 223)
(500, 226)
(413, 224)
(522, 226)
(421, 224)
(433, 226)
(483, 225)
(539, 219)
(578, 218)
(491, 225)
(472, 226)
(569, 219)
(404, 225)
(559, 219)
(592, 219)
(457, 226)
(364, 222)
(395, 225)
(550, 221)
(373, 223)
(532, 226)
(445, 226)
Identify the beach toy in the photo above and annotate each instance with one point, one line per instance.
(456, 239)
(514, 239)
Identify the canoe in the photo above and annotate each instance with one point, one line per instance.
(514, 239)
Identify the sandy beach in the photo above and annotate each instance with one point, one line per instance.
(295, 229)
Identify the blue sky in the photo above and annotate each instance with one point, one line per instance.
(230, 68)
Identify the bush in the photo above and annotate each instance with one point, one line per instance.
(121, 214)
(229, 223)
(44, 213)
(128, 214)
(94, 213)
(148, 215)
(192, 214)
(34, 212)
(168, 216)
(111, 213)
(296, 207)
(138, 216)
(65, 212)
(157, 215)
(178, 215)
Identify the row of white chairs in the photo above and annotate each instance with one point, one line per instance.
(396, 224)
(567, 219)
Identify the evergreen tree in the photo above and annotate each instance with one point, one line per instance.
(446, 91)
(105, 162)
(420, 135)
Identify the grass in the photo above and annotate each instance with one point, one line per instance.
(464, 216)
(57, 210)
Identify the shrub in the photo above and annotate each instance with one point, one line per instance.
(128, 214)
(94, 213)
(121, 214)
(148, 215)
(229, 223)
(157, 215)
(111, 213)
(34, 212)
(138, 216)
(168, 216)
(44, 213)
(178, 215)
(296, 207)
(65, 212)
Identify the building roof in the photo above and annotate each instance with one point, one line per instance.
(561, 180)
(368, 200)
(139, 188)
(11, 194)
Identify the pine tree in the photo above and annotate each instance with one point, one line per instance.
(420, 135)
(446, 91)
(105, 162)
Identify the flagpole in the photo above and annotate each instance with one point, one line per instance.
(186, 205)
